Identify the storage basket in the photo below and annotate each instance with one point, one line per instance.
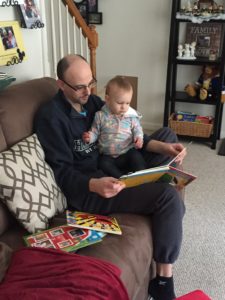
(190, 128)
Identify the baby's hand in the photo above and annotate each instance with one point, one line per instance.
(138, 142)
(86, 137)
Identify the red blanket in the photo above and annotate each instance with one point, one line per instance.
(46, 274)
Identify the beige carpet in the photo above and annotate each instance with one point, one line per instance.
(201, 264)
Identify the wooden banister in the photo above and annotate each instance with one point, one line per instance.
(88, 32)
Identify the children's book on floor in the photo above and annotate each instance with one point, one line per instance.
(92, 221)
(64, 237)
(167, 173)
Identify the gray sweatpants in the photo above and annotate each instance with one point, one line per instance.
(160, 201)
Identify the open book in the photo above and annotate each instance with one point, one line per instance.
(167, 173)
(64, 237)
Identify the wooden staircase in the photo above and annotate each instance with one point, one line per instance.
(67, 32)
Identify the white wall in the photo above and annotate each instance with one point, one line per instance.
(32, 38)
(133, 40)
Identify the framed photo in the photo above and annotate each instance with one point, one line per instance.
(10, 2)
(83, 8)
(95, 18)
(30, 14)
(204, 4)
(92, 6)
(208, 38)
(11, 43)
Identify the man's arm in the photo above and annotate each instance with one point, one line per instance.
(106, 187)
(171, 149)
(59, 155)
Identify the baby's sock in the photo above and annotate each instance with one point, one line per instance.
(162, 288)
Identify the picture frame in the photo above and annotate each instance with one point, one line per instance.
(31, 17)
(205, 4)
(208, 38)
(92, 6)
(83, 8)
(12, 49)
(95, 18)
(10, 2)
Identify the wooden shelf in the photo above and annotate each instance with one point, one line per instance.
(183, 97)
(172, 96)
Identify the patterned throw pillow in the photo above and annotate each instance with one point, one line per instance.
(27, 185)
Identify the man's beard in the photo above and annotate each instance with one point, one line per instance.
(83, 99)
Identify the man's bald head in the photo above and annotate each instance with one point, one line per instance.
(66, 62)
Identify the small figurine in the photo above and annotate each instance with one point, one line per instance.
(180, 51)
(192, 49)
(221, 9)
(187, 52)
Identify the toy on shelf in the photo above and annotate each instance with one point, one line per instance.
(199, 8)
(207, 85)
(183, 116)
(187, 51)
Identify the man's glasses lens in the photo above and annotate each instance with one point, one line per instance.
(81, 87)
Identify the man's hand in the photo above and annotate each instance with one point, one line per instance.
(138, 142)
(106, 187)
(171, 149)
(86, 137)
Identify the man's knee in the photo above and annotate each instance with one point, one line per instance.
(176, 200)
(166, 134)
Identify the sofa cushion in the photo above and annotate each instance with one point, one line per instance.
(18, 105)
(27, 185)
(5, 257)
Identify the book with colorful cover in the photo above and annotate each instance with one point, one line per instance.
(95, 222)
(64, 237)
(167, 173)
(195, 295)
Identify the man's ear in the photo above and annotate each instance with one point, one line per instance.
(60, 84)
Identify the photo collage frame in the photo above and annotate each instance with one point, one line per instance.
(12, 50)
(89, 11)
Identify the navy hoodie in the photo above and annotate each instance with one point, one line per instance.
(59, 129)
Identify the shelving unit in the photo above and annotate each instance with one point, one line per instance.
(173, 96)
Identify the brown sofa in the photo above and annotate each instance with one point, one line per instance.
(131, 252)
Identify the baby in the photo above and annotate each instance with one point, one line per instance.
(118, 131)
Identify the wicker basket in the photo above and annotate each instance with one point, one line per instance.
(190, 128)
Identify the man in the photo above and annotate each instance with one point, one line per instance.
(60, 124)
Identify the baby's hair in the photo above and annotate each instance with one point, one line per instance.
(119, 81)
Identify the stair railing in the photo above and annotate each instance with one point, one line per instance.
(67, 32)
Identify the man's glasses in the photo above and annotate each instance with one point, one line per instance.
(82, 87)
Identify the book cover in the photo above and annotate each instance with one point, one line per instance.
(65, 238)
(167, 173)
(208, 38)
(195, 295)
(92, 221)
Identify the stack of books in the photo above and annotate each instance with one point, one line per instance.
(82, 229)
(5, 80)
